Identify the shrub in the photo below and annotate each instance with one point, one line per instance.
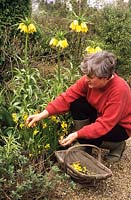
(114, 28)
(10, 14)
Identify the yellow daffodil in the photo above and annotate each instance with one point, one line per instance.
(22, 125)
(54, 119)
(64, 125)
(47, 146)
(25, 116)
(78, 167)
(15, 118)
(53, 42)
(63, 44)
(44, 125)
(35, 132)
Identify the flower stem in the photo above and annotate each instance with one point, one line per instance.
(26, 50)
(58, 67)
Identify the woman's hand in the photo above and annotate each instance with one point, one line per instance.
(69, 139)
(32, 119)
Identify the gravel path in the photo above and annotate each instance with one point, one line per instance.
(117, 187)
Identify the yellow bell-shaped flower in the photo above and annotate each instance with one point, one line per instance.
(53, 42)
(78, 28)
(73, 25)
(31, 28)
(98, 49)
(27, 28)
(23, 28)
(84, 27)
(63, 43)
(90, 49)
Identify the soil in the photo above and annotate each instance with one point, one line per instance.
(117, 187)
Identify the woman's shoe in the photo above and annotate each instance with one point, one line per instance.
(116, 150)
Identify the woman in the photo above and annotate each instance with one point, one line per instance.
(100, 104)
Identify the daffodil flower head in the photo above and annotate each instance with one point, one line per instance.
(64, 124)
(54, 119)
(22, 125)
(25, 116)
(44, 125)
(35, 132)
(78, 167)
(47, 146)
(15, 117)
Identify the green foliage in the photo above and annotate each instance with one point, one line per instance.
(114, 28)
(12, 11)
(26, 153)
(25, 91)
(29, 93)
(10, 14)
(19, 180)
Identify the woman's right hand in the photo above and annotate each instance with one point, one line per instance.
(32, 119)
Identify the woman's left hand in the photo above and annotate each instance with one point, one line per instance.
(69, 139)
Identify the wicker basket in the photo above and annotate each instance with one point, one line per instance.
(76, 153)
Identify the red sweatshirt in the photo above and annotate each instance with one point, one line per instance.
(113, 103)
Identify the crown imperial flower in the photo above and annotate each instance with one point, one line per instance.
(78, 26)
(59, 43)
(63, 44)
(27, 28)
(53, 42)
(90, 49)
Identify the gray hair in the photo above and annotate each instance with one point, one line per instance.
(100, 64)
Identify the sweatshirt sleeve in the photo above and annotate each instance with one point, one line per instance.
(111, 116)
(61, 104)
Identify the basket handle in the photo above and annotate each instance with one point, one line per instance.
(83, 145)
